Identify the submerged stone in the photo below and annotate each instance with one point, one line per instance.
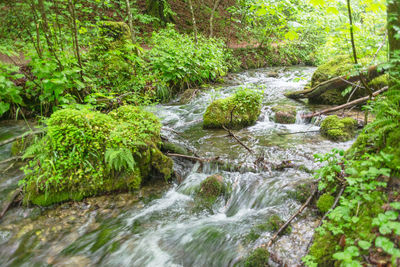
(210, 189)
(86, 153)
(238, 111)
(187, 96)
(285, 114)
(337, 129)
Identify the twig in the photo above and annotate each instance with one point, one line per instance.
(326, 214)
(283, 227)
(237, 139)
(10, 159)
(10, 140)
(192, 157)
(11, 200)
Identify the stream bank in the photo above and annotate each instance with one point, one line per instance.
(159, 225)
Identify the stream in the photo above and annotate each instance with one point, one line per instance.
(160, 225)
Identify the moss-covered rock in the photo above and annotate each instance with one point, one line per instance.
(210, 189)
(338, 66)
(273, 224)
(323, 247)
(86, 153)
(187, 96)
(285, 114)
(238, 111)
(258, 258)
(113, 34)
(379, 82)
(325, 202)
(337, 129)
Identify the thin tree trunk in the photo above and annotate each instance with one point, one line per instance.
(216, 4)
(75, 33)
(46, 31)
(194, 20)
(355, 56)
(128, 10)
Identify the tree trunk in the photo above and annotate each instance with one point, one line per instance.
(393, 13)
(75, 31)
(194, 20)
(216, 4)
(128, 10)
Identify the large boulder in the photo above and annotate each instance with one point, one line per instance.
(337, 129)
(338, 66)
(285, 114)
(238, 111)
(86, 153)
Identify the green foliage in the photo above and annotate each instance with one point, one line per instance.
(87, 153)
(119, 159)
(178, 60)
(238, 111)
(10, 94)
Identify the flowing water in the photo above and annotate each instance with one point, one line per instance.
(161, 225)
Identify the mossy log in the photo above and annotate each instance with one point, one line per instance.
(340, 82)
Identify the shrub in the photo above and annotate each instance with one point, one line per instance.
(178, 60)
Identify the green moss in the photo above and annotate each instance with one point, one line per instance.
(238, 111)
(86, 153)
(258, 258)
(187, 96)
(174, 148)
(323, 247)
(52, 198)
(273, 224)
(301, 192)
(338, 66)
(210, 189)
(161, 163)
(337, 129)
(285, 114)
(113, 34)
(379, 82)
(325, 202)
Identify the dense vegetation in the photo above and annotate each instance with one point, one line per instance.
(85, 70)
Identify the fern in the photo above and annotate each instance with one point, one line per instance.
(119, 159)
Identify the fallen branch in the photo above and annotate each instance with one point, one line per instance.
(283, 227)
(350, 104)
(10, 159)
(192, 157)
(10, 140)
(10, 201)
(326, 214)
(237, 139)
